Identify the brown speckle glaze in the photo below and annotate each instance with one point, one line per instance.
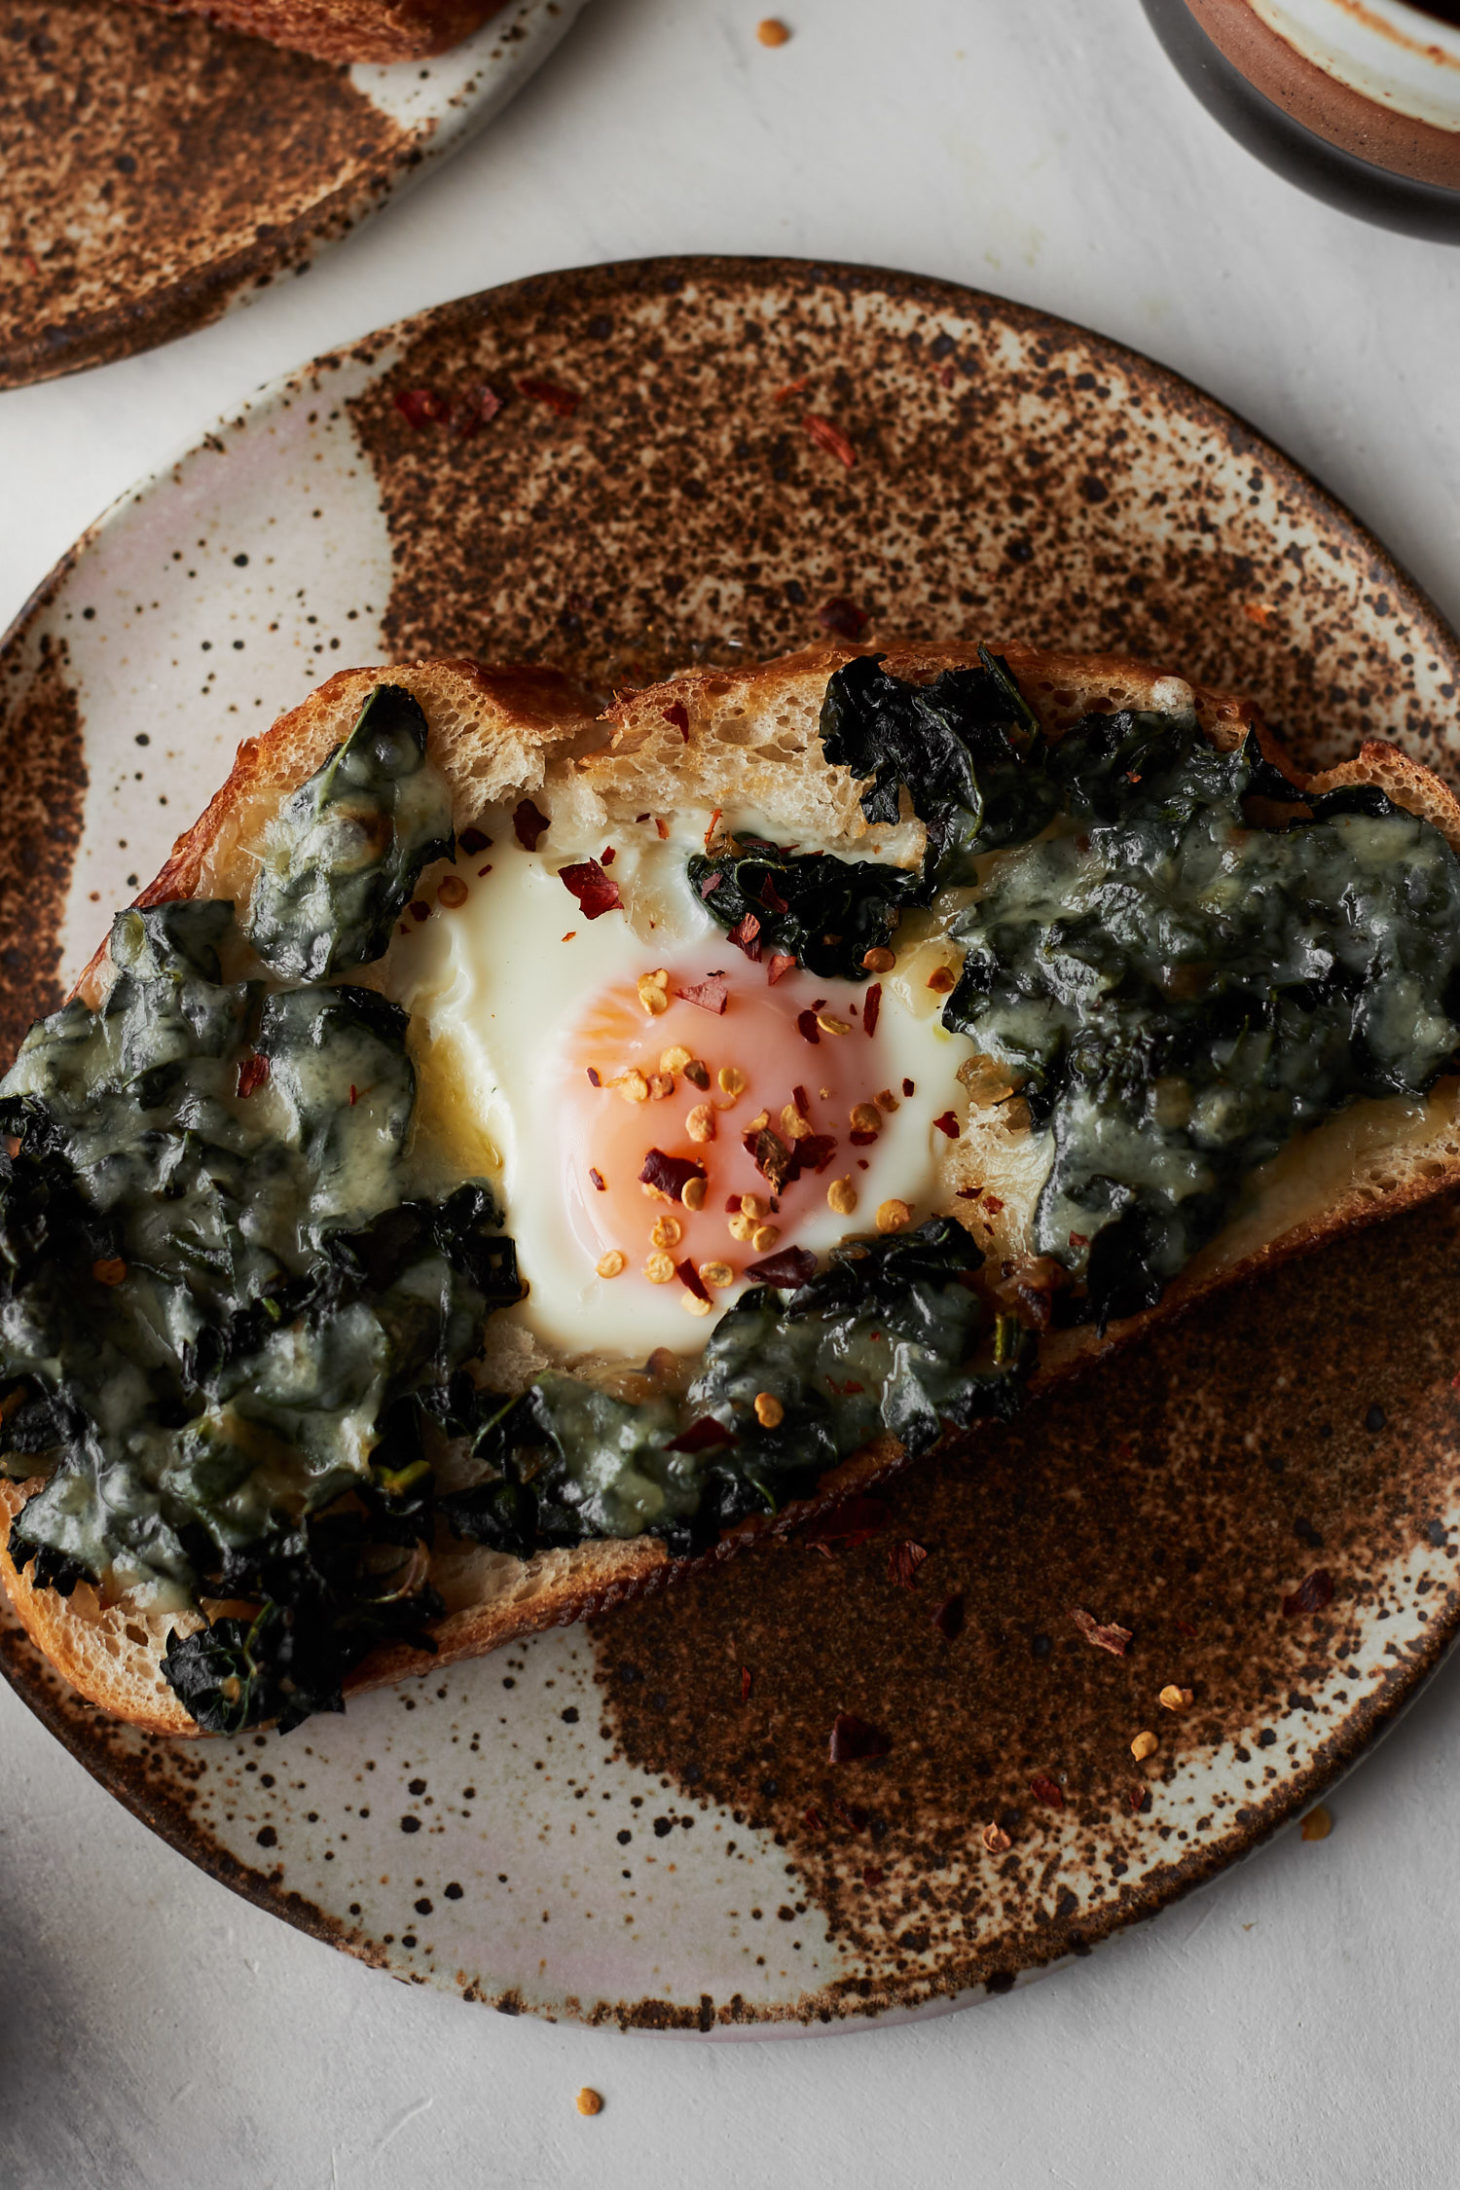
(1184, 1489)
(156, 169)
(1012, 475)
(45, 787)
(153, 167)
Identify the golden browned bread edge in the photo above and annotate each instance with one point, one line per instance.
(526, 704)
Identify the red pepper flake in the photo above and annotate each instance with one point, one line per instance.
(770, 1155)
(1184, 1627)
(670, 1174)
(992, 1203)
(253, 1071)
(689, 1277)
(1114, 1639)
(595, 891)
(702, 1436)
(732, 1205)
(850, 1522)
(852, 1739)
(711, 995)
(780, 965)
(747, 1682)
(771, 897)
(746, 933)
(562, 400)
(948, 1618)
(909, 1087)
(861, 1138)
(843, 616)
(854, 1815)
(813, 1821)
(473, 841)
(1139, 1797)
(678, 714)
(813, 1152)
(1044, 1789)
(792, 387)
(529, 824)
(831, 438)
(1310, 1595)
(873, 1875)
(873, 1008)
(477, 408)
(714, 825)
(607, 856)
(790, 1269)
(484, 870)
(807, 1028)
(422, 407)
(597, 1177)
(801, 1099)
(354, 1097)
(948, 1124)
(1079, 1239)
(595, 1078)
(419, 909)
(711, 883)
(903, 1562)
(661, 828)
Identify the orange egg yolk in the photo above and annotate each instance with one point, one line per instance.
(773, 1100)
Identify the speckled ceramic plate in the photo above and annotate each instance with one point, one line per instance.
(638, 1821)
(156, 171)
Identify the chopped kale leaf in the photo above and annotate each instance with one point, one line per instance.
(958, 750)
(960, 747)
(825, 913)
(342, 857)
(230, 1344)
(882, 1341)
(1178, 985)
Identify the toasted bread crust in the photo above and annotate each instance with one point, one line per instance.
(347, 30)
(493, 732)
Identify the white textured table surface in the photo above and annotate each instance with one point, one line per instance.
(1294, 2025)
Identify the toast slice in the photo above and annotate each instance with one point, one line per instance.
(347, 30)
(736, 738)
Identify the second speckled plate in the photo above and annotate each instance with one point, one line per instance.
(615, 1823)
(155, 170)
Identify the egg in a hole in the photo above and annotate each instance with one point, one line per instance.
(666, 1118)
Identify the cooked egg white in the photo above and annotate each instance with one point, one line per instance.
(522, 1001)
